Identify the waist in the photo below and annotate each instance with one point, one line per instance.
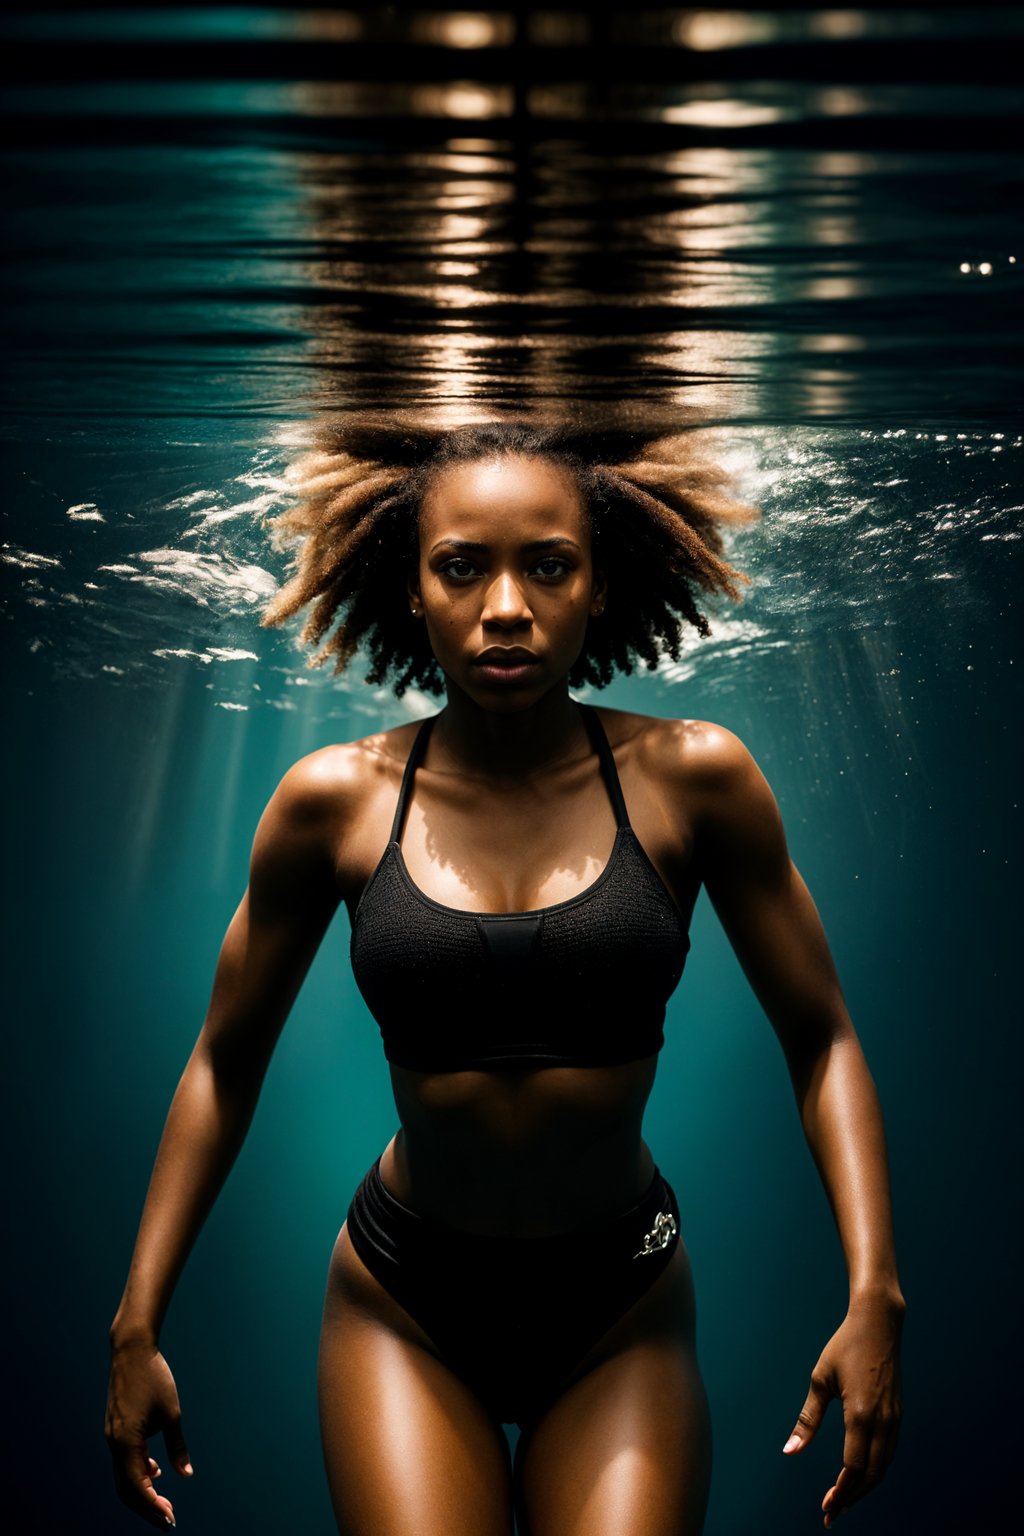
(532, 1194)
(389, 1216)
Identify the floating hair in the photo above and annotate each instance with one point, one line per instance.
(657, 513)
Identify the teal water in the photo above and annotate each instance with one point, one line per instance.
(184, 309)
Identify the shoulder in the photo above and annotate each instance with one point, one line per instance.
(705, 781)
(692, 755)
(327, 790)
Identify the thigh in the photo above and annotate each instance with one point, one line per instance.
(625, 1450)
(409, 1449)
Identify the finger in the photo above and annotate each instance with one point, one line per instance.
(856, 1449)
(846, 1490)
(848, 1485)
(850, 1480)
(836, 1500)
(154, 1470)
(876, 1460)
(853, 1483)
(880, 1453)
(177, 1450)
(810, 1416)
(156, 1511)
(135, 1486)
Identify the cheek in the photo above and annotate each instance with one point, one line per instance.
(443, 617)
(581, 595)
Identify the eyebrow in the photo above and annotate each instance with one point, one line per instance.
(471, 546)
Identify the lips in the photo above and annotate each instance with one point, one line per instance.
(506, 656)
(506, 663)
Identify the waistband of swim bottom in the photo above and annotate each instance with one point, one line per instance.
(373, 1199)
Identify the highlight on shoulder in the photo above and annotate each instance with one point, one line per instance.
(697, 752)
(334, 780)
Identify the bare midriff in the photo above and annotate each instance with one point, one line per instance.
(520, 1151)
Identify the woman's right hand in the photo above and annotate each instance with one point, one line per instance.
(143, 1400)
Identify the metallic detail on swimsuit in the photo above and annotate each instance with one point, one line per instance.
(661, 1234)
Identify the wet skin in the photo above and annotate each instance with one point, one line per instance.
(509, 813)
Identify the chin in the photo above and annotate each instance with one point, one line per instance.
(502, 698)
(506, 701)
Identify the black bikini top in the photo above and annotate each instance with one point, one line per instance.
(581, 983)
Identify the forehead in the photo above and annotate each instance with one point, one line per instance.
(502, 495)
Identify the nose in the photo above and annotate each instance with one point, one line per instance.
(505, 603)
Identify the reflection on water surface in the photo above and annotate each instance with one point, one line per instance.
(803, 232)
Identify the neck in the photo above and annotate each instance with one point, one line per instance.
(511, 744)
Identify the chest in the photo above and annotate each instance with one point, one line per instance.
(582, 981)
(487, 850)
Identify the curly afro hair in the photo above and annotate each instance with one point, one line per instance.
(656, 515)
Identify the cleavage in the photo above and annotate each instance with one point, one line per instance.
(526, 858)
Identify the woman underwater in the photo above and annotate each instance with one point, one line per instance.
(520, 870)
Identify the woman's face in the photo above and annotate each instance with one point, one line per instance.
(505, 582)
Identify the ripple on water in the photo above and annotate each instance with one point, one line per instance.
(856, 524)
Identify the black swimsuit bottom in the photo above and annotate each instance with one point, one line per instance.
(513, 1317)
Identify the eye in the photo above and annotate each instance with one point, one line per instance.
(552, 568)
(458, 569)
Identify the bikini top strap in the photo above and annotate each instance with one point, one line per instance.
(598, 740)
(413, 761)
(606, 756)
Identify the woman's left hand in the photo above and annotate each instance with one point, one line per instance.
(860, 1365)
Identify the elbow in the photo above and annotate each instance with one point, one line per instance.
(809, 1043)
(230, 1062)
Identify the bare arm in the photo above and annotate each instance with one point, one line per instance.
(270, 942)
(777, 934)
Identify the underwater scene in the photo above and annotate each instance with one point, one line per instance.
(229, 230)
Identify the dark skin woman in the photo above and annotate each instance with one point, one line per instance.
(502, 566)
